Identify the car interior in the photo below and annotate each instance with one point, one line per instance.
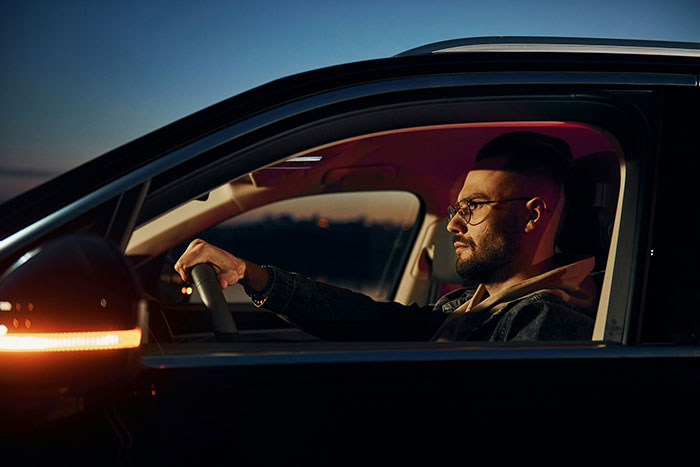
(399, 182)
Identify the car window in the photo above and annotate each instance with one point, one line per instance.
(357, 240)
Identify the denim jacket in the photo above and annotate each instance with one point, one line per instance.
(548, 307)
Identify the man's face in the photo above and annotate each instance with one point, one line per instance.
(487, 247)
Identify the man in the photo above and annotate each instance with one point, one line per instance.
(505, 221)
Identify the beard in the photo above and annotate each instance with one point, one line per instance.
(492, 261)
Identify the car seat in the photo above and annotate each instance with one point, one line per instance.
(588, 226)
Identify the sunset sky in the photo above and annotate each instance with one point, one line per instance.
(82, 77)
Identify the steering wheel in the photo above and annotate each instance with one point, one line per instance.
(206, 283)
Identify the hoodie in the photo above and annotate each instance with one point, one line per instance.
(558, 304)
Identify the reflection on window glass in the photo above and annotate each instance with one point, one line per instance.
(354, 240)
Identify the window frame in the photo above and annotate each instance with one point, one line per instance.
(618, 117)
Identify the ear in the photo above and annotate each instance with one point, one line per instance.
(535, 214)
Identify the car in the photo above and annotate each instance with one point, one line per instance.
(344, 174)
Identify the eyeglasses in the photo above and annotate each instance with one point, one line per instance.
(469, 210)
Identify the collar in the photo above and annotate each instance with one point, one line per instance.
(564, 282)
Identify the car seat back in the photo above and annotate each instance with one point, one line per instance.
(590, 217)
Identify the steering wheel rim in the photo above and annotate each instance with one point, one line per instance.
(206, 283)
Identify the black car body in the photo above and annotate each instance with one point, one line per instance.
(628, 108)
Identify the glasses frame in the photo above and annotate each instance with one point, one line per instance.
(465, 213)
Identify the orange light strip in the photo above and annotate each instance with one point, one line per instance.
(69, 341)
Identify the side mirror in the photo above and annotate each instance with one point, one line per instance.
(71, 322)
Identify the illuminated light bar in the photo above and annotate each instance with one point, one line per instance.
(69, 341)
(5, 306)
(305, 159)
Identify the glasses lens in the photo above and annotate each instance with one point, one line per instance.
(478, 212)
(462, 210)
(465, 211)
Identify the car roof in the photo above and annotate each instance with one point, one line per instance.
(557, 44)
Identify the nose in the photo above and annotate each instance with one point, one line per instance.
(456, 225)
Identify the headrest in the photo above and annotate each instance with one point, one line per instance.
(590, 216)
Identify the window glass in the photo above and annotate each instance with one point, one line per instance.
(356, 240)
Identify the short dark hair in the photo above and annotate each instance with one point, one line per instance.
(532, 153)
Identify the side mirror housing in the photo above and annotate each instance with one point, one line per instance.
(71, 322)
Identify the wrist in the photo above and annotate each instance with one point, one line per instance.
(255, 277)
(259, 284)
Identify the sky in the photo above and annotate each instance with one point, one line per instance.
(82, 77)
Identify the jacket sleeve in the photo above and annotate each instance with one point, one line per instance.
(335, 313)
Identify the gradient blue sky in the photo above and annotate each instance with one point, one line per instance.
(81, 77)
